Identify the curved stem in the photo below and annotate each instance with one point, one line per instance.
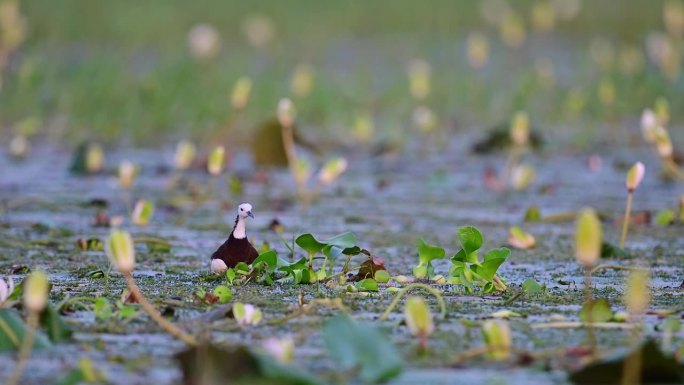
(25, 349)
(614, 267)
(625, 222)
(154, 314)
(405, 289)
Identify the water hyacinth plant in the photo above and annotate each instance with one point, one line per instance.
(634, 178)
(468, 269)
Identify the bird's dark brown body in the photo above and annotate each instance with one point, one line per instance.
(234, 251)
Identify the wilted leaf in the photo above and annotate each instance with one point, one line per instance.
(354, 345)
(370, 267)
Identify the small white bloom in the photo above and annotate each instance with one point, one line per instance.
(6, 289)
(246, 314)
(281, 349)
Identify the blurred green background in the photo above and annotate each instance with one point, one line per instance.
(122, 71)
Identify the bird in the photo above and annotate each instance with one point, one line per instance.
(237, 247)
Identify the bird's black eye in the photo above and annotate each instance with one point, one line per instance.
(241, 209)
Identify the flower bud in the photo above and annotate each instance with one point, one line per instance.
(522, 176)
(6, 289)
(649, 122)
(419, 78)
(127, 173)
(302, 171)
(663, 142)
(94, 158)
(19, 147)
(185, 154)
(478, 50)
(424, 119)
(331, 170)
(637, 295)
(634, 176)
(282, 349)
(519, 239)
(120, 250)
(588, 238)
(497, 337)
(302, 80)
(286, 112)
(142, 212)
(520, 128)
(204, 41)
(418, 317)
(36, 291)
(216, 161)
(241, 92)
(246, 314)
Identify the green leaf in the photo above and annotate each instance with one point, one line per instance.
(355, 345)
(270, 258)
(420, 272)
(530, 286)
(491, 263)
(309, 243)
(600, 311)
(367, 284)
(55, 327)
(102, 308)
(427, 252)
(224, 293)
(13, 330)
(230, 275)
(665, 218)
(381, 276)
(470, 238)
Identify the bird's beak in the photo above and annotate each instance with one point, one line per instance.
(249, 213)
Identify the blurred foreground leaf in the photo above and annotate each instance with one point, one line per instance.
(356, 345)
(212, 365)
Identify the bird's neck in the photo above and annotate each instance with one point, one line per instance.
(239, 230)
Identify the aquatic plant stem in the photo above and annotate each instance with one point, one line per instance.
(631, 372)
(291, 154)
(405, 290)
(154, 314)
(588, 300)
(25, 349)
(625, 222)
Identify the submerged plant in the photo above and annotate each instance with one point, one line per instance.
(121, 252)
(634, 178)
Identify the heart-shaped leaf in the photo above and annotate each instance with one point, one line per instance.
(270, 258)
(470, 238)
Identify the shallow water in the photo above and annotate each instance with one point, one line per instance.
(427, 197)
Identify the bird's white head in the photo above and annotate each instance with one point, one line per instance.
(245, 210)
